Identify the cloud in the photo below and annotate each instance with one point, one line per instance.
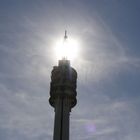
(111, 119)
(21, 113)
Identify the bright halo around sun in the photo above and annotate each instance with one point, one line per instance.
(66, 49)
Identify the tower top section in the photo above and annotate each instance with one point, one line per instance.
(63, 84)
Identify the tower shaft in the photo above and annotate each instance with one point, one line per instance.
(61, 123)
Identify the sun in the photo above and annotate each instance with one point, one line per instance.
(66, 49)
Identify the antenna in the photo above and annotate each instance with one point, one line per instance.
(64, 44)
(65, 37)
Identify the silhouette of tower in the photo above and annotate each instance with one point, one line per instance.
(62, 96)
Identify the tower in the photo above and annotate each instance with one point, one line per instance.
(63, 96)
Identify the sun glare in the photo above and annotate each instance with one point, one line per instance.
(66, 49)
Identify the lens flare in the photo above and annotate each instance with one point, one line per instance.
(66, 49)
(91, 128)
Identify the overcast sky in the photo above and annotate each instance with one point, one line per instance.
(108, 67)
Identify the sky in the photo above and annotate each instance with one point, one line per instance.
(108, 67)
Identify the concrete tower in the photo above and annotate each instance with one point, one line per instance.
(62, 97)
